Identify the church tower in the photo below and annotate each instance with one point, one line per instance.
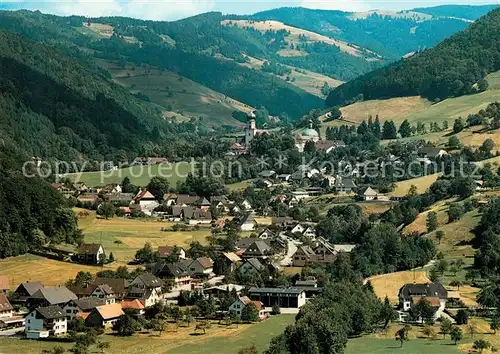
(250, 129)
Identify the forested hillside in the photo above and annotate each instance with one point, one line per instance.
(391, 34)
(52, 106)
(455, 67)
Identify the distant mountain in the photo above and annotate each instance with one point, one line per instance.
(455, 67)
(390, 34)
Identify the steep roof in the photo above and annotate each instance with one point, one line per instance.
(165, 251)
(4, 282)
(369, 192)
(105, 289)
(31, 287)
(150, 280)
(51, 312)
(423, 289)
(205, 262)
(233, 257)
(4, 303)
(144, 194)
(55, 296)
(110, 311)
(119, 285)
(88, 303)
(186, 199)
(258, 248)
(255, 263)
(177, 269)
(245, 300)
(134, 304)
(89, 248)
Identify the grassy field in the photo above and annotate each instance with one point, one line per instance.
(123, 237)
(295, 32)
(422, 184)
(369, 345)
(389, 284)
(419, 224)
(138, 175)
(187, 98)
(180, 340)
(240, 185)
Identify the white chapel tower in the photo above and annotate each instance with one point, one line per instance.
(250, 129)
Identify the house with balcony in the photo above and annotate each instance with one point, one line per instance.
(44, 322)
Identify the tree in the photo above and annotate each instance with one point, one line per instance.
(487, 146)
(276, 310)
(251, 349)
(462, 317)
(103, 345)
(457, 283)
(125, 326)
(387, 313)
(481, 345)
(159, 324)
(455, 212)
(471, 329)
(423, 310)
(454, 142)
(442, 266)
(428, 331)
(446, 326)
(456, 334)
(482, 85)
(158, 186)
(458, 125)
(445, 125)
(439, 235)
(389, 130)
(111, 257)
(325, 90)
(56, 350)
(146, 254)
(250, 313)
(402, 335)
(405, 129)
(107, 210)
(432, 221)
(495, 323)
(203, 326)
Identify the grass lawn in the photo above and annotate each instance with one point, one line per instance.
(138, 175)
(369, 345)
(422, 184)
(240, 185)
(182, 340)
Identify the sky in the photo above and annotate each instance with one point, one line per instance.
(176, 9)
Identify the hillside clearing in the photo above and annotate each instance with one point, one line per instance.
(294, 33)
(422, 184)
(179, 97)
(389, 284)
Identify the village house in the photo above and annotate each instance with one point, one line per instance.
(83, 305)
(177, 272)
(5, 307)
(118, 198)
(200, 267)
(199, 216)
(297, 229)
(237, 149)
(303, 256)
(166, 251)
(250, 267)
(267, 174)
(91, 253)
(344, 185)
(51, 296)
(133, 305)
(88, 198)
(147, 288)
(230, 260)
(4, 284)
(266, 234)
(310, 286)
(119, 285)
(249, 223)
(44, 322)
(411, 294)
(258, 249)
(26, 290)
(145, 201)
(239, 304)
(148, 161)
(104, 292)
(104, 316)
(283, 297)
(223, 290)
(369, 194)
(245, 205)
(184, 200)
(328, 146)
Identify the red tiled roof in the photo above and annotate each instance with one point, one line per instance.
(132, 304)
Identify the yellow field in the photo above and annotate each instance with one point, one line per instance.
(134, 233)
(403, 14)
(101, 29)
(49, 272)
(294, 33)
(422, 184)
(393, 109)
(419, 224)
(389, 284)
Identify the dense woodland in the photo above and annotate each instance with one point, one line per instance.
(457, 66)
